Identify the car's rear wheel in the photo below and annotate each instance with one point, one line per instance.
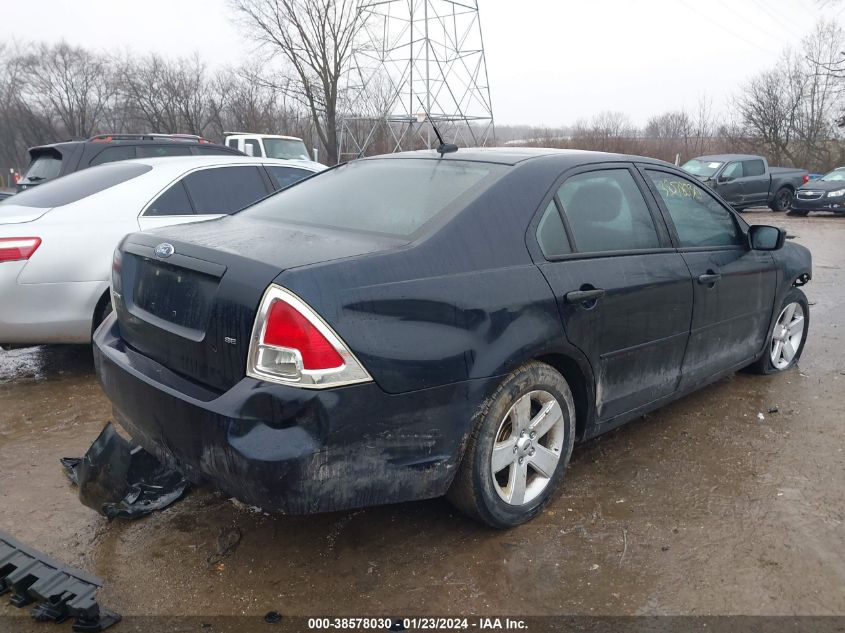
(788, 335)
(102, 310)
(519, 448)
(782, 200)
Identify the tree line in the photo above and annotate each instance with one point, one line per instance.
(792, 113)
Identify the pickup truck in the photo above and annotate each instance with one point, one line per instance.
(745, 180)
(268, 145)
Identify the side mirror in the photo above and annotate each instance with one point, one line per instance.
(766, 238)
(249, 150)
(724, 178)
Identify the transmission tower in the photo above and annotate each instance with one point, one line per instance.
(417, 62)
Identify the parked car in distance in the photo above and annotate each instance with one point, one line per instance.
(267, 145)
(822, 194)
(414, 325)
(47, 162)
(747, 181)
(57, 240)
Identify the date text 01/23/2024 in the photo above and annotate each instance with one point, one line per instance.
(419, 623)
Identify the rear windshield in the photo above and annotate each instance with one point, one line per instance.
(44, 167)
(82, 184)
(388, 196)
(704, 168)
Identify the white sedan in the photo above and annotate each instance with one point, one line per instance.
(57, 240)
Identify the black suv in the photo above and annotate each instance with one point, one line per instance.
(47, 162)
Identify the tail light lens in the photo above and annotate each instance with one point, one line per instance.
(291, 344)
(14, 249)
(806, 178)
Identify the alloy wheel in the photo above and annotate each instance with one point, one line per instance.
(787, 336)
(527, 448)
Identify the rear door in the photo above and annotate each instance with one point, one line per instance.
(624, 293)
(733, 285)
(755, 181)
(206, 194)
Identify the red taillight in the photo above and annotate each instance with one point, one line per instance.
(292, 345)
(14, 249)
(806, 178)
(288, 328)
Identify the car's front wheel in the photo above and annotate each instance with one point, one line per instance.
(782, 200)
(788, 335)
(519, 448)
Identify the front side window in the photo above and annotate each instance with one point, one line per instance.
(286, 176)
(551, 235)
(391, 196)
(606, 212)
(698, 217)
(224, 189)
(734, 170)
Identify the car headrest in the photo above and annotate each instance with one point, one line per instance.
(596, 202)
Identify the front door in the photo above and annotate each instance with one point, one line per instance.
(624, 294)
(734, 286)
(730, 184)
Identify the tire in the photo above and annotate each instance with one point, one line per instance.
(798, 212)
(102, 310)
(768, 363)
(517, 405)
(782, 200)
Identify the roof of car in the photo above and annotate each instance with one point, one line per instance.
(179, 163)
(515, 155)
(724, 158)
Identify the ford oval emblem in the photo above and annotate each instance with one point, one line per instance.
(164, 250)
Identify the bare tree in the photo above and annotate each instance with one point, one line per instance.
(314, 38)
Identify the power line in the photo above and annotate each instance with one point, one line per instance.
(725, 29)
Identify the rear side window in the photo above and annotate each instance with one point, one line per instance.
(286, 176)
(698, 218)
(80, 185)
(753, 168)
(225, 189)
(607, 212)
(157, 151)
(113, 154)
(174, 201)
(551, 234)
(392, 196)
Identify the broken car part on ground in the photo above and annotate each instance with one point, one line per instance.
(118, 479)
(60, 592)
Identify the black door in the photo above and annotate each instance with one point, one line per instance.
(624, 294)
(734, 286)
(730, 184)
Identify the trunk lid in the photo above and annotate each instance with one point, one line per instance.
(11, 213)
(193, 310)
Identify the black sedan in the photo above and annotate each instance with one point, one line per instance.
(415, 325)
(823, 194)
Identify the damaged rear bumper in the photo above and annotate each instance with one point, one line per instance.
(288, 449)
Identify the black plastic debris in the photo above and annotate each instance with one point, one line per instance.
(60, 592)
(118, 479)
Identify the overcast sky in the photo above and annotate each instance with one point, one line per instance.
(550, 62)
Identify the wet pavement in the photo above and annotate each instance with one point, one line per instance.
(730, 501)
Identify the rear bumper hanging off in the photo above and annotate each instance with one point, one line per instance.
(61, 592)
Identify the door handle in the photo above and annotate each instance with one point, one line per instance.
(710, 278)
(584, 296)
